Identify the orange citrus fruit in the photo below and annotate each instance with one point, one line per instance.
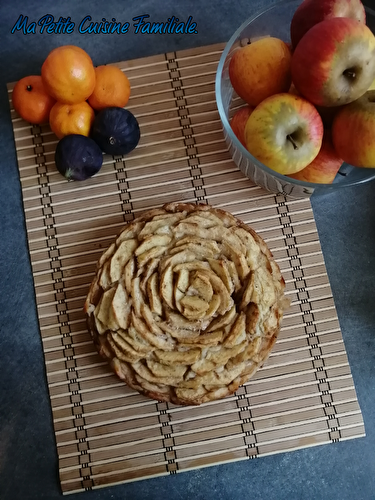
(31, 101)
(65, 119)
(112, 88)
(68, 74)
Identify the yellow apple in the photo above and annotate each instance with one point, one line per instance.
(284, 132)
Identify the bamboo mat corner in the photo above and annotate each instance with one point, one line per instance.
(105, 433)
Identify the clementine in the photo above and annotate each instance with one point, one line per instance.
(31, 101)
(65, 119)
(112, 88)
(68, 74)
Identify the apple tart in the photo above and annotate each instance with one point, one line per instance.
(186, 303)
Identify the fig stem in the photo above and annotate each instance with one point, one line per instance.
(290, 138)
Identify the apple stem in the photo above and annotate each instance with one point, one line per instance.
(290, 138)
(350, 73)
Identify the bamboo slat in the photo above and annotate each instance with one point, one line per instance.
(105, 433)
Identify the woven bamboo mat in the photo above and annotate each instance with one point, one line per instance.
(105, 433)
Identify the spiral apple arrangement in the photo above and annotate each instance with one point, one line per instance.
(186, 303)
(310, 104)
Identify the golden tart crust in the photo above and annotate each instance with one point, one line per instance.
(186, 303)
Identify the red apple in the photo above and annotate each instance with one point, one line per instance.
(260, 69)
(284, 132)
(238, 122)
(324, 167)
(334, 63)
(353, 131)
(312, 12)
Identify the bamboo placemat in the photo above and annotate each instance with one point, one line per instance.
(105, 433)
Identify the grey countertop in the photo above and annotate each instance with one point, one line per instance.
(346, 224)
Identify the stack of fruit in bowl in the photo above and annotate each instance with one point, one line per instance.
(84, 106)
(307, 100)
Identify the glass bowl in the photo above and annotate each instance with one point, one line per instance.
(274, 21)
